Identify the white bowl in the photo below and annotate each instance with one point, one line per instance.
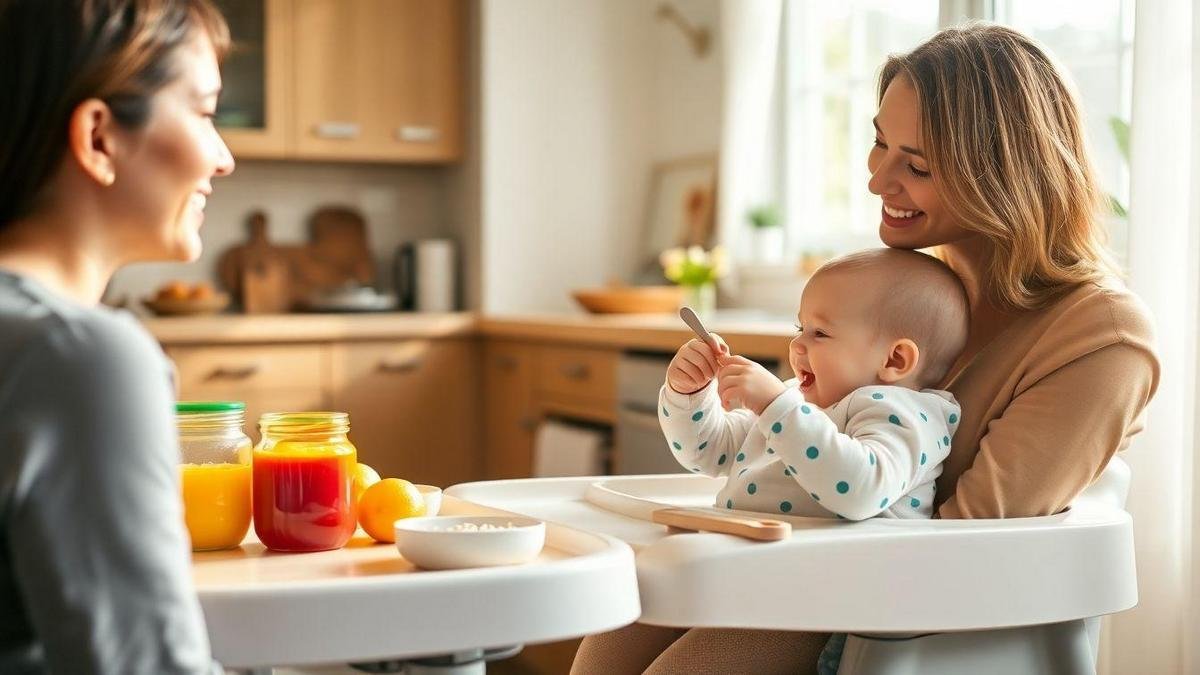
(430, 542)
(433, 498)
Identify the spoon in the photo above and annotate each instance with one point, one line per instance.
(689, 317)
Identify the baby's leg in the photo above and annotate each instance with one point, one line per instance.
(731, 650)
(625, 651)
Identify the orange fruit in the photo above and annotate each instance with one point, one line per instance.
(364, 477)
(385, 502)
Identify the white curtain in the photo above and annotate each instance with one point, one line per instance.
(1157, 636)
(750, 33)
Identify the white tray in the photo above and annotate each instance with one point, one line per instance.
(880, 575)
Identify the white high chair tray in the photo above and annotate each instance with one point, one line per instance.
(880, 575)
(364, 602)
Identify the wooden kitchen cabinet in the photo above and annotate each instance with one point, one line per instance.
(345, 80)
(510, 416)
(379, 80)
(414, 406)
(268, 378)
(253, 112)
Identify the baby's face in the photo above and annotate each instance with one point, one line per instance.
(836, 349)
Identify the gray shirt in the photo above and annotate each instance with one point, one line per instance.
(94, 559)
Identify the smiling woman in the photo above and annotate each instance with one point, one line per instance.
(107, 152)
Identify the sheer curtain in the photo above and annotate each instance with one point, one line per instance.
(1157, 636)
(750, 31)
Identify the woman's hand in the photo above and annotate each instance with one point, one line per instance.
(744, 383)
(695, 365)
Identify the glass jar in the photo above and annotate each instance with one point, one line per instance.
(215, 472)
(303, 481)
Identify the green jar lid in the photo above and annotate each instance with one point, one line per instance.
(184, 407)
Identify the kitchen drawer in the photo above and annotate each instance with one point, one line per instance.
(251, 367)
(576, 372)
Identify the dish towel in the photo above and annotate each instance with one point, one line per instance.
(563, 449)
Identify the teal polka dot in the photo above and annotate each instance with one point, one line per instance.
(741, 457)
(903, 484)
(924, 417)
(697, 415)
(729, 503)
(665, 413)
(894, 420)
(752, 488)
(812, 452)
(792, 468)
(843, 487)
(953, 418)
(877, 396)
(872, 456)
(787, 472)
(883, 504)
(840, 516)
(703, 445)
(770, 451)
(914, 502)
(785, 507)
(676, 445)
(946, 441)
(696, 469)
(805, 409)
(776, 428)
(721, 460)
(923, 458)
(743, 472)
(815, 496)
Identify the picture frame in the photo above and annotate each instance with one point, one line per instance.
(681, 205)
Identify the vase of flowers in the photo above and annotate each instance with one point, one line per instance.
(697, 271)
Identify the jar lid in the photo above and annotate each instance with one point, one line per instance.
(208, 406)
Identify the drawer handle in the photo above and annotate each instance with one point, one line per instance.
(406, 366)
(506, 363)
(412, 133)
(347, 130)
(576, 371)
(234, 372)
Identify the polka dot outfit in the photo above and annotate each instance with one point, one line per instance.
(876, 452)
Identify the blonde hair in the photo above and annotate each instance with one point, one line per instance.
(1004, 137)
(918, 297)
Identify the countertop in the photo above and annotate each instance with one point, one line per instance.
(746, 332)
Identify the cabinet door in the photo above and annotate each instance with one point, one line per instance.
(413, 405)
(268, 378)
(509, 412)
(379, 80)
(252, 114)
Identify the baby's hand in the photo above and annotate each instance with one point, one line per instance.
(746, 384)
(695, 365)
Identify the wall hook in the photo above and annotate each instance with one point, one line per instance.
(698, 36)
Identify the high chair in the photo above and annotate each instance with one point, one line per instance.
(1020, 595)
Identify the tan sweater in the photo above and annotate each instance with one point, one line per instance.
(1047, 403)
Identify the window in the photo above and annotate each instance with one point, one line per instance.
(833, 52)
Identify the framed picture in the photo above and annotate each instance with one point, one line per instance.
(682, 204)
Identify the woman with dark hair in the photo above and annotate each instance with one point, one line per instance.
(107, 151)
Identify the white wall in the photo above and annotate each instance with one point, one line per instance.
(578, 99)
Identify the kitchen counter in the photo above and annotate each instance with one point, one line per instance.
(746, 332)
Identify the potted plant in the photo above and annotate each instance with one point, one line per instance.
(697, 271)
(767, 233)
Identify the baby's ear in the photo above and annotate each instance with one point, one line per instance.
(902, 359)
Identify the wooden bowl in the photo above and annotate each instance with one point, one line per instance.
(171, 307)
(630, 299)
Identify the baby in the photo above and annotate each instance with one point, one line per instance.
(858, 432)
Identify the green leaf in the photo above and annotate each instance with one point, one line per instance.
(1120, 130)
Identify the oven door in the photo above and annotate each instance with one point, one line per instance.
(640, 445)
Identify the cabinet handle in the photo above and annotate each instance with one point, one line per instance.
(575, 371)
(234, 372)
(528, 423)
(412, 133)
(346, 130)
(406, 366)
(506, 363)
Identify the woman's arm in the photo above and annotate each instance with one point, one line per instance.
(1055, 438)
(96, 531)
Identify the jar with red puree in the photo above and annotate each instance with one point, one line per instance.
(303, 481)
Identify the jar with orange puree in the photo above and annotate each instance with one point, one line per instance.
(215, 472)
(303, 481)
